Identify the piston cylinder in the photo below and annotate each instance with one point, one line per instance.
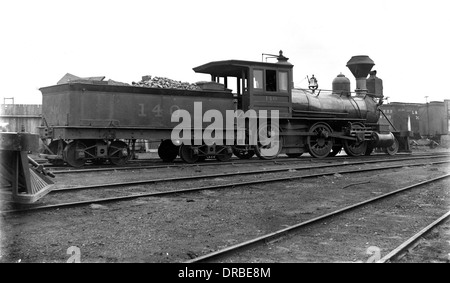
(382, 140)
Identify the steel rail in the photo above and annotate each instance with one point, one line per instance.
(173, 165)
(277, 234)
(176, 163)
(196, 189)
(158, 160)
(209, 163)
(408, 244)
(253, 172)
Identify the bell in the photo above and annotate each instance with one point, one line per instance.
(313, 83)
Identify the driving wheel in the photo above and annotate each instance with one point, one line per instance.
(319, 141)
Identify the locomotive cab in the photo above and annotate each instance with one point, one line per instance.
(263, 87)
(259, 85)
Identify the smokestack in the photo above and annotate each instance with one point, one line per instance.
(360, 67)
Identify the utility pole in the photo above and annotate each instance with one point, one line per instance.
(428, 117)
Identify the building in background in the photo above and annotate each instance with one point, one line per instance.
(20, 117)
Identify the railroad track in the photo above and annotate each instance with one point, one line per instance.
(216, 186)
(187, 225)
(228, 252)
(159, 164)
(240, 173)
(409, 244)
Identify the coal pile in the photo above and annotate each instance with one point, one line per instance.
(161, 82)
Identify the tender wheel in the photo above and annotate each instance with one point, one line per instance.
(243, 153)
(270, 143)
(167, 151)
(224, 154)
(96, 151)
(320, 143)
(335, 150)
(393, 149)
(74, 154)
(188, 154)
(118, 153)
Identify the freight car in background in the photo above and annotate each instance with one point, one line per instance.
(98, 121)
(445, 139)
(433, 122)
(404, 117)
(429, 120)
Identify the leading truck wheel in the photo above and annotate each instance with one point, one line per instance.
(319, 141)
(167, 151)
(354, 147)
(118, 153)
(393, 149)
(74, 154)
(269, 142)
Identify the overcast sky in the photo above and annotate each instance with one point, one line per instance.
(124, 40)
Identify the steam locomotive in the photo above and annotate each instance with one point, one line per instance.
(94, 121)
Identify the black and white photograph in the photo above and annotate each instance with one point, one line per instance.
(249, 134)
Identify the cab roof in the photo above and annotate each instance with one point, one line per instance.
(234, 68)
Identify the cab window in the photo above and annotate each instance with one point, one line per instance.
(271, 80)
(258, 81)
(283, 81)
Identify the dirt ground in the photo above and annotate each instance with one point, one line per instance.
(182, 227)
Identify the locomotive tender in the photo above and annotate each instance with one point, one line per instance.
(99, 122)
